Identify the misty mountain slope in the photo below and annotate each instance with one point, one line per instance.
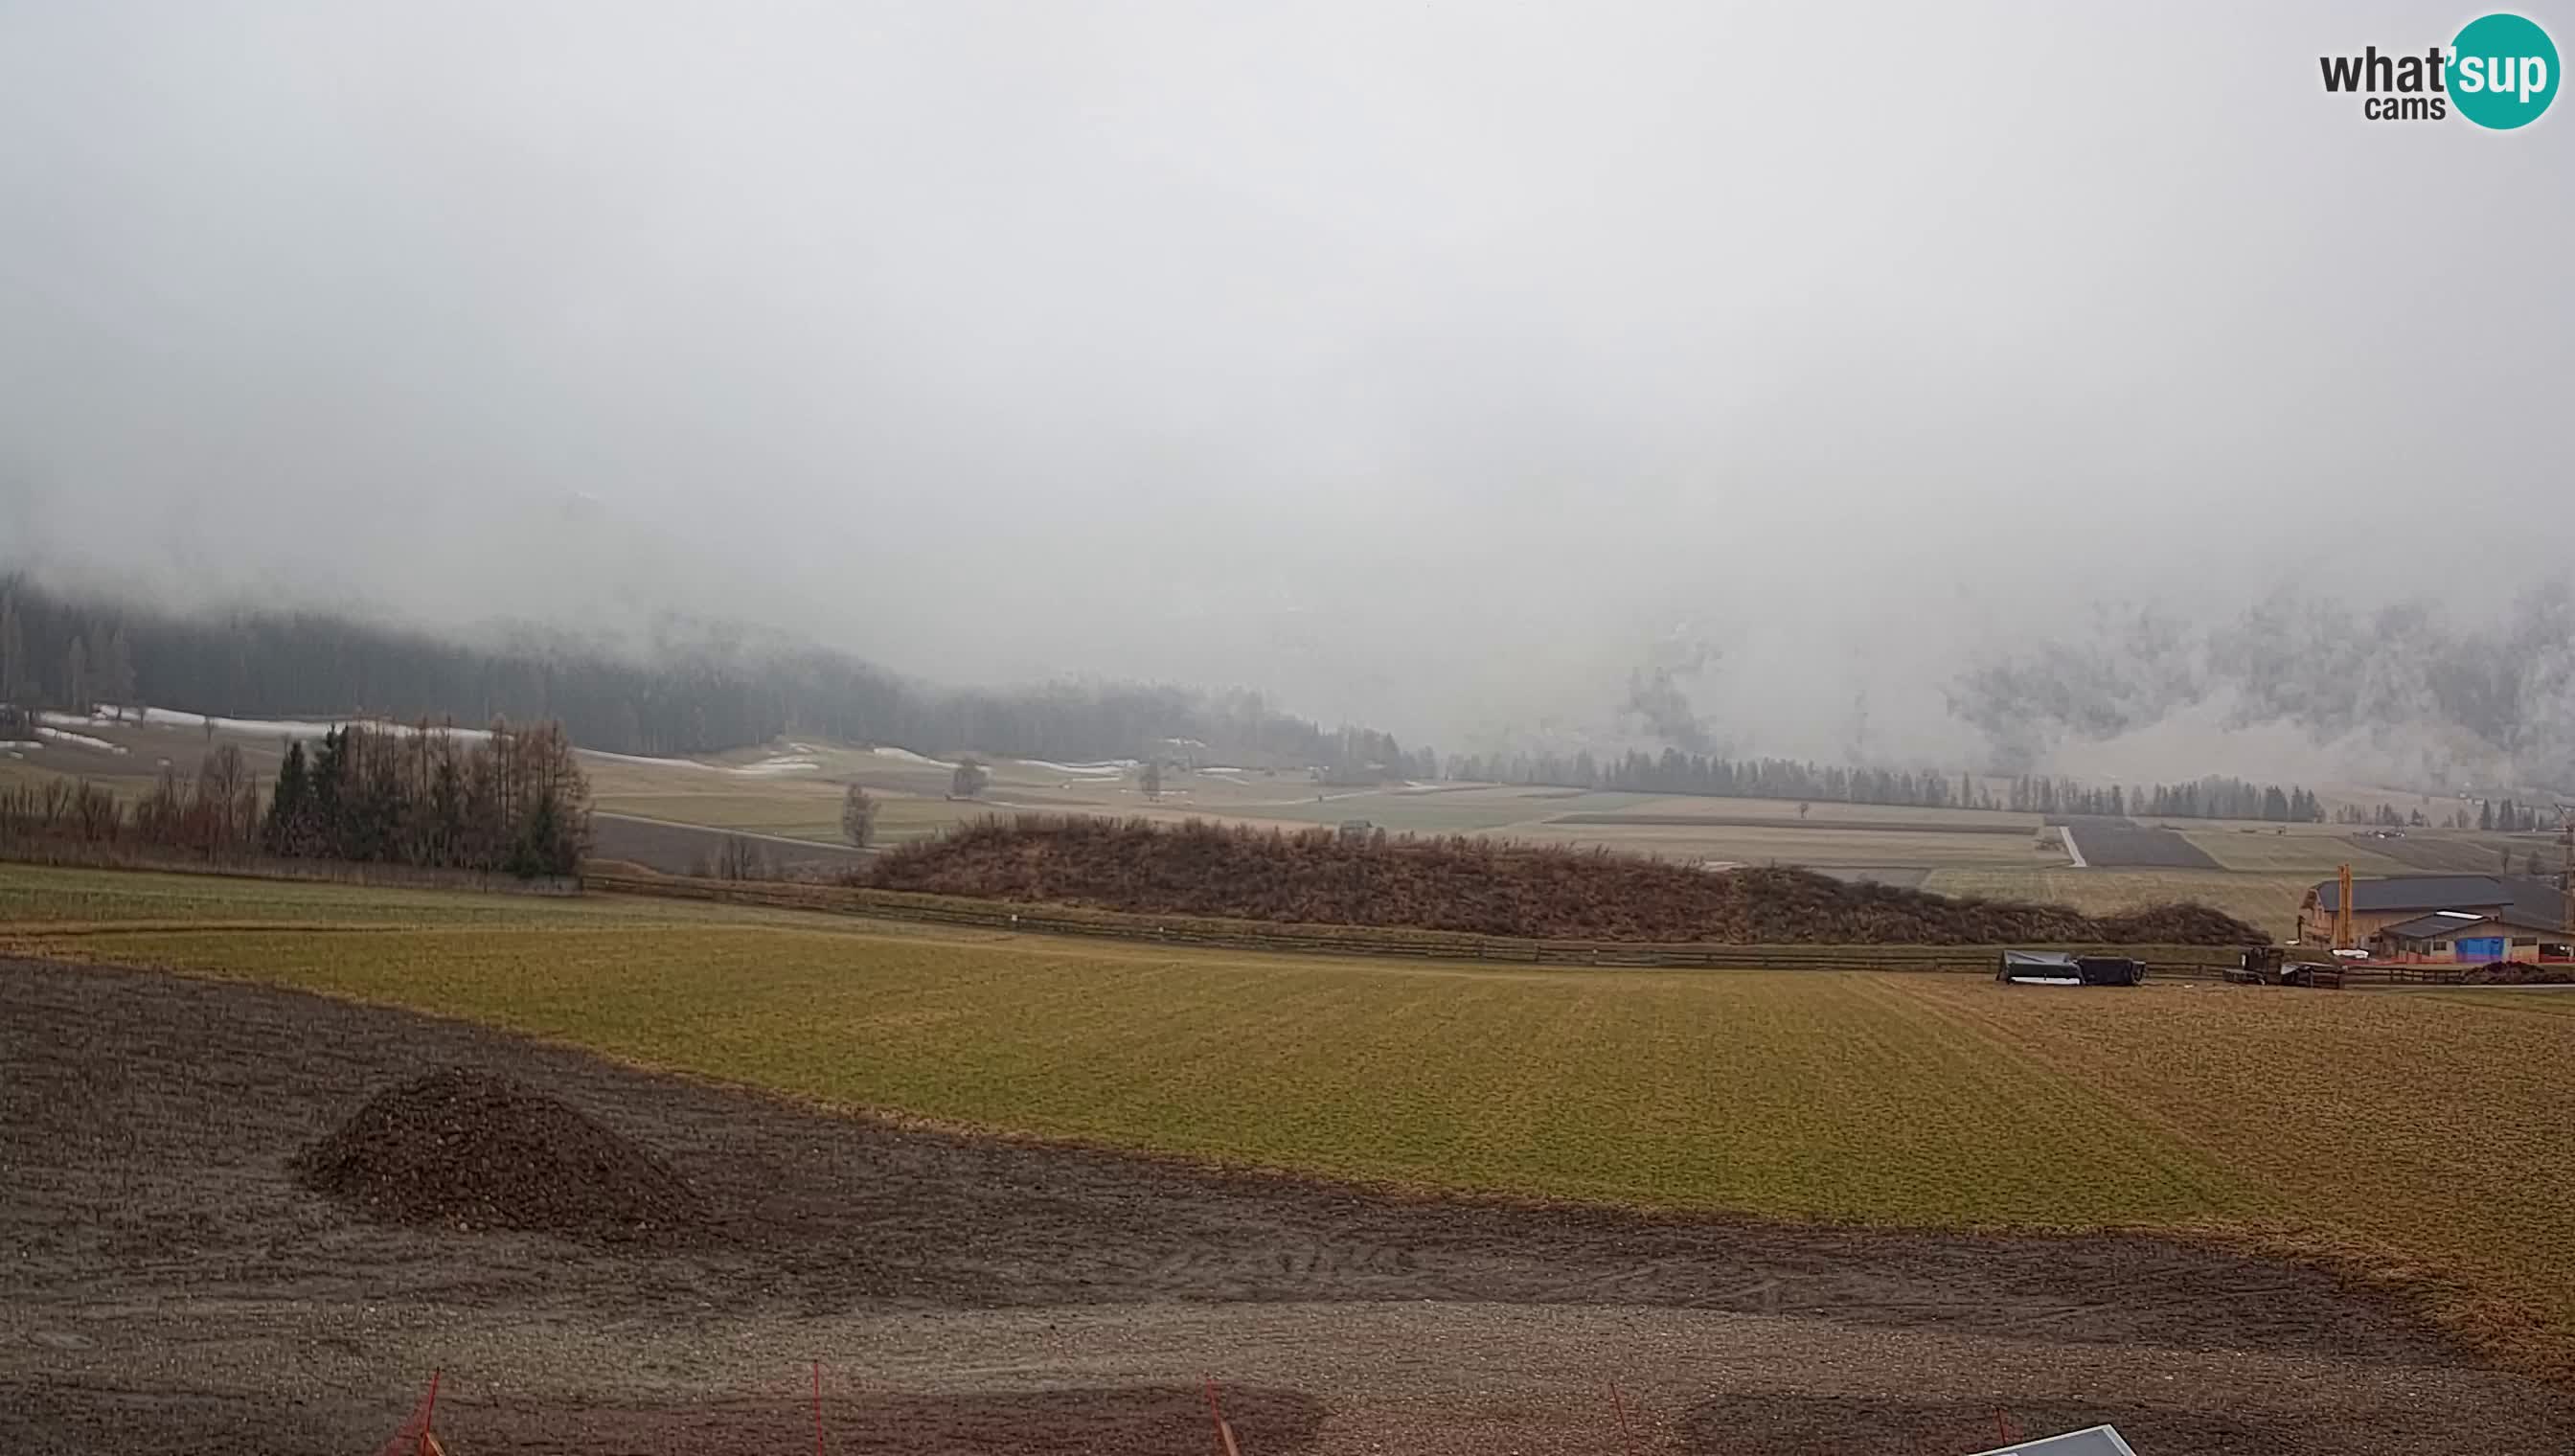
(697, 689)
(2403, 694)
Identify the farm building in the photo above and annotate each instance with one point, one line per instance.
(2535, 905)
(2473, 936)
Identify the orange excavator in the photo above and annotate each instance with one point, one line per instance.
(2271, 965)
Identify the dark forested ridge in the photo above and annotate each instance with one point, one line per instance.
(713, 692)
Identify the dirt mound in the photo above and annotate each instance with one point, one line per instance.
(471, 1150)
(2517, 973)
(2176, 923)
(1483, 888)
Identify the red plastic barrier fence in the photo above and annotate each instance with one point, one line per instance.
(413, 1437)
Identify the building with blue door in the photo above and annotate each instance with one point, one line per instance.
(2468, 937)
(2527, 908)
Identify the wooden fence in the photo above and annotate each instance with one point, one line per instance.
(163, 859)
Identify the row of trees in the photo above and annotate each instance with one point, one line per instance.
(212, 815)
(509, 801)
(2212, 797)
(2506, 815)
(2498, 815)
(1675, 771)
(512, 800)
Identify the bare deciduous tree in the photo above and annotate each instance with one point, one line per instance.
(741, 859)
(857, 816)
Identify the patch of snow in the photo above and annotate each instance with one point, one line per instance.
(765, 768)
(19, 744)
(649, 763)
(907, 756)
(406, 729)
(279, 728)
(1104, 767)
(66, 735)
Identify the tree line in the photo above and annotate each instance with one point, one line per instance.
(2505, 815)
(507, 800)
(2212, 797)
(1675, 771)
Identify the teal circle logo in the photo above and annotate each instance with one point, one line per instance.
(2503, 71)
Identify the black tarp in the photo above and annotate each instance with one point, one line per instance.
(2110, 971)
(2054, 968)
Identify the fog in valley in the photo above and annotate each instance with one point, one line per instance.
(2020, 389)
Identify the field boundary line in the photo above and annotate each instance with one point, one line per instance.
(80, 929)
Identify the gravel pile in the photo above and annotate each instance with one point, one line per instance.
(470, 1150)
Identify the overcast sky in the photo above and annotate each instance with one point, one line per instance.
(1431, 365)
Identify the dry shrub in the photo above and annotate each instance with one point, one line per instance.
(1481, 888)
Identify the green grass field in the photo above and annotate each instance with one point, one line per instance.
(1777, 1092)
(2408, 1130)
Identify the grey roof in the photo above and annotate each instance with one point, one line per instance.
(2435, 925)
(2418, 893)
(2535, 903)
(2425, 928)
